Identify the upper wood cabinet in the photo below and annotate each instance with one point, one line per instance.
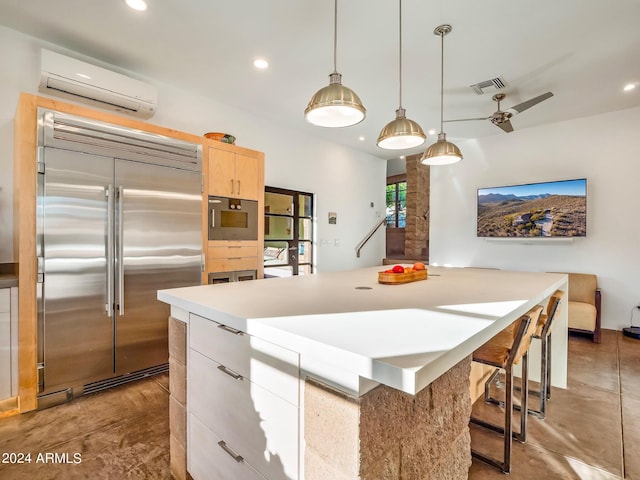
(235, 175)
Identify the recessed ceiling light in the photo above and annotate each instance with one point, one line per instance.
(431, 132)
(139, 5)
(629, 86)
(260, 63)
(361, 139)
(401, 157)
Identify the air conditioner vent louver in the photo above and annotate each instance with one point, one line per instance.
(492, 85)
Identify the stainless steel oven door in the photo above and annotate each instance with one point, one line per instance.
(233, 219)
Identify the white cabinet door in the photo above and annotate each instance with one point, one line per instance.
(208, 460)
(262, 426)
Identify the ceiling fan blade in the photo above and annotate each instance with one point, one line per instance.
(506, 126)
(467, 119)
(521, 107)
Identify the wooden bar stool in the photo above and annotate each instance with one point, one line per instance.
(543, 333)
(503, 351)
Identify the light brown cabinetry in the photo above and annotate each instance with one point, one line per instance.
(234, 175)
(234, 172)
(227, 256)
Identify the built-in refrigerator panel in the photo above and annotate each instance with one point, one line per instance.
(159, 239)
(78, 332)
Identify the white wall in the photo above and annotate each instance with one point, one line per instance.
(606, 150)
(344, 180)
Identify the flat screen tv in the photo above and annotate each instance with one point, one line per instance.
(549, 209)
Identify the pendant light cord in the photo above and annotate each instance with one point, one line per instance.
(335, 36)
(441, 82)
(400, 54)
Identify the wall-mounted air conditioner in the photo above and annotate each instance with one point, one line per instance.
(80, 81)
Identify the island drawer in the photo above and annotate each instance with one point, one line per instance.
(264, 363)
(209, 461)
(256, 422)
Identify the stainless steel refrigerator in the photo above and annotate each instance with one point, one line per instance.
(119, 217)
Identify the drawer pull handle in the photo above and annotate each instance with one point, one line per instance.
(229, 372)
(231, 330)
(235, 258)
(233, 454)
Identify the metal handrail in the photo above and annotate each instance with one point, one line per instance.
(369, 235)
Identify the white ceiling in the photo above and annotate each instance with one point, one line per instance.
(584, 51)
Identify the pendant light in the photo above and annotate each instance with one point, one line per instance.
(335, 105)
(401, 133)
(442, 152)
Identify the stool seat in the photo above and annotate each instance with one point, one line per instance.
(496, 351)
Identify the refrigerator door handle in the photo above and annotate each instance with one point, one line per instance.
(110, 192)
(120, 257)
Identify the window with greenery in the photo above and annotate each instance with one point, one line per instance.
(397, 204)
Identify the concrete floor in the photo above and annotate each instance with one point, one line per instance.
(592, 430)
(120, 433)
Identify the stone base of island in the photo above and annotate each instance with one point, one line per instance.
(336, 376)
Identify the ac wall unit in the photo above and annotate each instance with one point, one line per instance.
(80, 81)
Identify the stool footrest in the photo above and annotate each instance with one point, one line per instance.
(494, 463)
(490, 426)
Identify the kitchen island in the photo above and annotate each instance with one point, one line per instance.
(334, 375)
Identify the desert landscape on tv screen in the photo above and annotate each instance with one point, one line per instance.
(552, 209)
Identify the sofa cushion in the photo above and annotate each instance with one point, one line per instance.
(582, 316)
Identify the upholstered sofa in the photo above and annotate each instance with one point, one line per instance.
(584, 304)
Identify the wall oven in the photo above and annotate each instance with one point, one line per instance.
(233, 219)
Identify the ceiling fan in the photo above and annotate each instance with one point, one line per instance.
(501, 118)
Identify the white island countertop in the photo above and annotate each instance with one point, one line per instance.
(348, 327)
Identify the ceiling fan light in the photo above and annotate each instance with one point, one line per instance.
(335, 105)
(401, 133)
(442, 152)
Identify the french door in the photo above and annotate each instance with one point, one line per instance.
(288, 232)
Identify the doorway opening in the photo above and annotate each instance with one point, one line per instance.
(288, 232)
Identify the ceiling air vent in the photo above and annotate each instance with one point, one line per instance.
(491, 85)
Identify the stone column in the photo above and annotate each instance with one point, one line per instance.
(178, 398)
(416, 243)
(387, 434)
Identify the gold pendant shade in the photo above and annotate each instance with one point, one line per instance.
(335, 105)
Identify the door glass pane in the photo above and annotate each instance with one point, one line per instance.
(276, 253)
(304, 252)
(305, 229)
(284, 271)
(278, 203)
(278, 227)
(305, 205)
